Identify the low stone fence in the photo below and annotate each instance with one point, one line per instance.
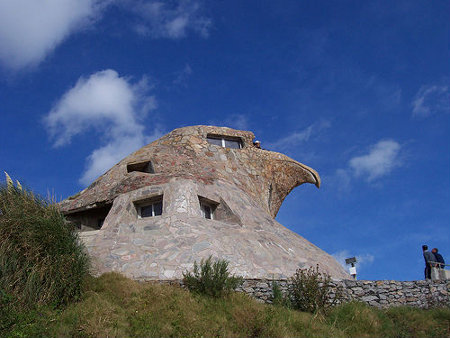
(381, 294)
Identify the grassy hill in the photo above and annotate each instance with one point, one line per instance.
(115, 306)
(46, 291)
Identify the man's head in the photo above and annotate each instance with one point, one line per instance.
(435, 250)
(257, 144)
(424, 247)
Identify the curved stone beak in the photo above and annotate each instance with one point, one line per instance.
(283, 175)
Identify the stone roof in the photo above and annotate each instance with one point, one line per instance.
(247, 185)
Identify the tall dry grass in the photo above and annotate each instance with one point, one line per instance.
(41, 259)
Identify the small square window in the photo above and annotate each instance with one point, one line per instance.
(207, 208)
(143, 167)
(150, 208)
(225, 141)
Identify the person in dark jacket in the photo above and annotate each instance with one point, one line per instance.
(439, 258)
(429, 261)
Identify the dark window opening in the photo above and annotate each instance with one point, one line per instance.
(144, 167)
(207, 207)
(225, 141)
(150, 208)
(219, 211)
(90, 219)
(207, 211)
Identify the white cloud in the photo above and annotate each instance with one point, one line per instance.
(105, 157)
(362, 260)
(172, 20)
(111, 105)
(30, 30)
(235, 121)
(431, 99)
(382, 158)
(297, 137)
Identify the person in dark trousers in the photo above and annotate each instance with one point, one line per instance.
(429, 261)
(439, 258)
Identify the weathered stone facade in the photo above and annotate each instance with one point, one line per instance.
(242, 186)
(381, 293)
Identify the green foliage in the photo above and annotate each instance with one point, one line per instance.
(278, 298)
(277, 294)
(312, 291)
(41, 258)
(211, 279)
(115, 306)
(357, 319)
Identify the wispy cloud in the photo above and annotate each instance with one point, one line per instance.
(235, 121)
(30, 30)
(362, 260)
(431, 99)
(382, 158)
(109, 104)
(296, 137)
(182, 76)
(159, 19)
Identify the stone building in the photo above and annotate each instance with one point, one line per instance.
(195, 192)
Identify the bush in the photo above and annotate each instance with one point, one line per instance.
(41, 258)
(312, 291)
(278, 298)
(211, 279)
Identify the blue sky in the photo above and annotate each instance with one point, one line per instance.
(358, 90)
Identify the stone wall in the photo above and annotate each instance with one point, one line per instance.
(381, 294)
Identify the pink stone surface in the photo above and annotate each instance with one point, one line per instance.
(248, 185)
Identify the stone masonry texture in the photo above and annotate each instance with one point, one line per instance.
(245, 186)
(423, 294)
(381, 294)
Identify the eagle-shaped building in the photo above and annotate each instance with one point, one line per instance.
(195, 192)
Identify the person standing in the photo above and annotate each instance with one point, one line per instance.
(439, 258)
(429, 260)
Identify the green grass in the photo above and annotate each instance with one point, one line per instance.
(41, 259)
(46, 291)
(114, 306)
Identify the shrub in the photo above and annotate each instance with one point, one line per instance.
(211, 279)
(277, 294)
(41, 258)
(312, 291)
(278, 298)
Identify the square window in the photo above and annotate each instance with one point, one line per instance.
(225, 141)
(207, 207)
(143, 167)
(149, 208)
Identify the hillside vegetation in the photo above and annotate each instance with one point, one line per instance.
(41, 260)
(46, 291)
(114, 306)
